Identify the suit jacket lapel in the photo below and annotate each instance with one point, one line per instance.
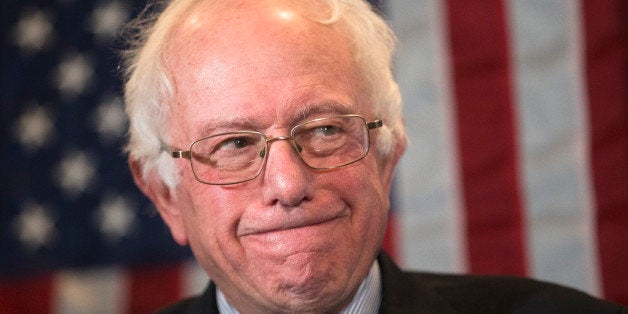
(405, 293)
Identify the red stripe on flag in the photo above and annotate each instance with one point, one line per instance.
(26, 295)
(607, 80)
(486, 135)
(153, 287)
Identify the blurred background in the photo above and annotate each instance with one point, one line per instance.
(516, 110)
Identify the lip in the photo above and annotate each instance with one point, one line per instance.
(288, 224)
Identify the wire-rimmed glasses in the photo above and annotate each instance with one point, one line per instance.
(322, 144)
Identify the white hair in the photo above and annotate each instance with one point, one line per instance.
(148, 91)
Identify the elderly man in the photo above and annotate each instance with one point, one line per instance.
(266, 133)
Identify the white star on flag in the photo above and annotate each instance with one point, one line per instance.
(33, 31)
(73, 75)
(35, 128)
(115, 218)
(35, 227)
(109, 118)
(107, 20)
(75, 173)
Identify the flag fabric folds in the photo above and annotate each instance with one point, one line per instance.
(516, 110)
(517, 114)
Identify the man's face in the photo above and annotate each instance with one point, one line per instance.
(292, 238)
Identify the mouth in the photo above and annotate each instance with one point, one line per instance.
(289, 224)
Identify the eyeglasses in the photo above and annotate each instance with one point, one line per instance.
(322, 144)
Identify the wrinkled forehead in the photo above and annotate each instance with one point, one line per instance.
(215, 41)
(236, 23)
(221, 52)
(225, 34)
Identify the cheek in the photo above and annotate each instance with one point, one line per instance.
(214, 211)
(365, 194)
(211, 220)
(209, 214)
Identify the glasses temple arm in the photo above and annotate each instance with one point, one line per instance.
(375, 124)
(176, 153)
(181, 154)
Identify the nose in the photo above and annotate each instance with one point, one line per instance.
(286, 179)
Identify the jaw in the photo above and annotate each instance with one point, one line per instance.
(297, 269)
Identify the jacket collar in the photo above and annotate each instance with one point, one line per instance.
(401, 293)
(406, 293)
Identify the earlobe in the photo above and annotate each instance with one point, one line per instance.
(163, 198)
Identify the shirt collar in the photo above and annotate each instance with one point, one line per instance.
(366, 300)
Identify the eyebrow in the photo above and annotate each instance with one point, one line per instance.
(228, 124)
(325, 108)
(239, 123)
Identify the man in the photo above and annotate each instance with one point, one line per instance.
(266, 133)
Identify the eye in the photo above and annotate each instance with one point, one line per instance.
(315, 132)
(326, 131)
(234, 143)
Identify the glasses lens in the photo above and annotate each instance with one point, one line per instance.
(228, 158)
(332, 142)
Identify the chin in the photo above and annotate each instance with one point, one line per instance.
(310, 303)
(312, 292)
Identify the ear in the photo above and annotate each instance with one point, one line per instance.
(389, 162)
(163, 197)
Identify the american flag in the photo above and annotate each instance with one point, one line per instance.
(76, 235)
(517, 113)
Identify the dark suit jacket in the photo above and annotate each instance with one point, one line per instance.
(405, 292)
